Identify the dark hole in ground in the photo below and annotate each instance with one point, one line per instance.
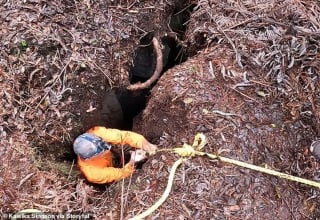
(120, 106)
(144, 63)
(180, 17)
(132, 103)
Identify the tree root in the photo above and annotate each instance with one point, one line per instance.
(157, 71)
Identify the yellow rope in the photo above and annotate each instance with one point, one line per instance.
(264, 170)
(195, 150)
(164, 195)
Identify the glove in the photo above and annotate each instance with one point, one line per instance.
(150, 148)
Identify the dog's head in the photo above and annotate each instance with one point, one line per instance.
(138, 155)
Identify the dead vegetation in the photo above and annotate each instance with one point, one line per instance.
(280, 37)
(259, 60)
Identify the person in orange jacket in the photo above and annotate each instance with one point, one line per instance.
(95, 153)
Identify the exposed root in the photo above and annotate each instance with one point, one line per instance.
(157, 71)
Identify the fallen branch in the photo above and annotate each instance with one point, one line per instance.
(157, 71)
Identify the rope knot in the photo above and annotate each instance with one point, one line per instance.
(190, 151)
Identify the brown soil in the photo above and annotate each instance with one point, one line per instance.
(251, 85)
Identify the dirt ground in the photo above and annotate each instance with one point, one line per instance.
(245, 74)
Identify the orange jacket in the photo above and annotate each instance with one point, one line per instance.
(99, 169)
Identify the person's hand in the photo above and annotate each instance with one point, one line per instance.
(138, 155)
(129, 167)
(150, 148)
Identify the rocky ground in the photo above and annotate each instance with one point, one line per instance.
(245, 74)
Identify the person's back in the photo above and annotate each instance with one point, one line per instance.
(94, 150)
